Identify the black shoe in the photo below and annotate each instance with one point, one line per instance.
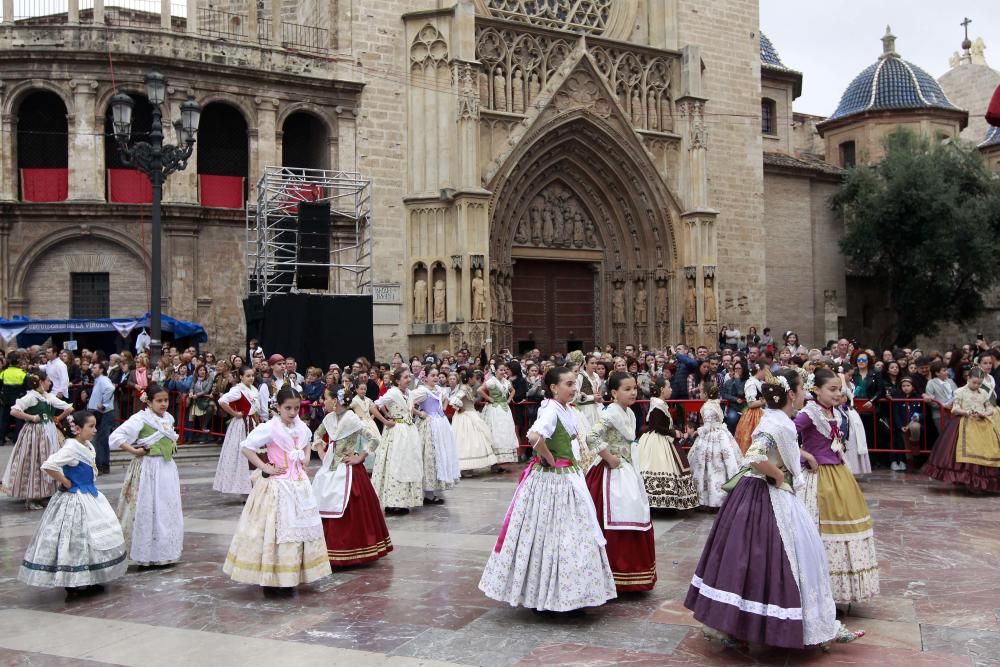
(104, 470)
(433, 501)
(74, 593)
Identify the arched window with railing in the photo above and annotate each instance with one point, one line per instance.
(305, 142)
(42, 147)
(125, 184)
(223, 157)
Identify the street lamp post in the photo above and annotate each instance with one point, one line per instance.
(157, 161)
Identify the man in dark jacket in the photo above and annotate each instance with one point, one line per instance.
(686, 364)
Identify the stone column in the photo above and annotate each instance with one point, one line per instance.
(276, 23)
(73, 12)
(181, 187)
(99, 11)
(180, 269)
(165, 22)
(8, 129)
(263, 138)
(86, 148)
(4, 267)
(663, 28)
(192, 15)
(8, 11)
(347, 127)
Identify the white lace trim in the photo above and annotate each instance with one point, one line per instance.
(749, 606)
(824, 522)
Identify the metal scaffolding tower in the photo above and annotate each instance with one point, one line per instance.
(275, 261)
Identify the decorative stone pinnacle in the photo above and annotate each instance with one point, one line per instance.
(889, 44)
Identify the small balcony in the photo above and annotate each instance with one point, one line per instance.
(183, 17)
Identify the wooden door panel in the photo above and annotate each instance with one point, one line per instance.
(553, 303)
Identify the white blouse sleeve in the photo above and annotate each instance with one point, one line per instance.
(545, 423)
(232, 395)
(57, 402)
(751, 390)
(419, 395)
(259, 437)
(127, 433)
(63, 457)
(29, 400)
(388, 397)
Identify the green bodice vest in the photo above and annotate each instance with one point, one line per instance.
(164, 447)
(41, 409)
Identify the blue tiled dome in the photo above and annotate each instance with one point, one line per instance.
(992, 138)
(768, 54)
(891, 83)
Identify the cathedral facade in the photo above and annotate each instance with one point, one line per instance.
(551, 174)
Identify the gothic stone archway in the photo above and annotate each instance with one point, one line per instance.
(580, 190)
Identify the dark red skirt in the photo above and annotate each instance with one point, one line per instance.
(360, 536)
(943, 467)
(631, 553)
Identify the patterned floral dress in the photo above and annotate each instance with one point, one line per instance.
(715, 456)
(500, 421)
(664, 468)
(550, 554)
(399, 467)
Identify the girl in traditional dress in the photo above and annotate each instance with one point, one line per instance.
(755, 405)
(242, 404)
(715, 457)
(763, 576)
(78, 543)
(833, 497)
(441, 471)
(589, 390)
(618, 491)
(856, 451)
(968, 450)
(664, 468)
(498, 393)
(361, 405)
(24, 478)
(353, 522)
(149, 506)
(399, 469)
(550, 554)
(472, 436)
(279, 541)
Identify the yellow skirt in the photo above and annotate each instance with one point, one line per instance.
(845, 525)
(256, 557)
(979, 441)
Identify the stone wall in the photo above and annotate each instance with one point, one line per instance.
(726, 31)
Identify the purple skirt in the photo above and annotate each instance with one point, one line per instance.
(943, 467)
(744, 585)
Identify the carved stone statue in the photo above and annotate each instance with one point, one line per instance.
(508, 302)
(521, 234)
(662, 304)
(517, 92)
(558, 226)
(711, 311)
(691, 303)
(640, 304)
(636, 108)
(439, 301)
(499, 91)
(590, 233)
(534, 87)
(420, 302)
(579, 235)
(548, 230)
(478, 296)
(618, 306)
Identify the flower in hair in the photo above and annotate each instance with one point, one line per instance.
(73, 428)
(144, 398)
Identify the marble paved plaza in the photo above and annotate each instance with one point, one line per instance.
(940, 603)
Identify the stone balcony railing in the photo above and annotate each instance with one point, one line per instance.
(178, 17)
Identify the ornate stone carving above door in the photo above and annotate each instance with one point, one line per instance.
(556, 219)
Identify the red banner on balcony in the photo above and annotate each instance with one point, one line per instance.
(129, 186)
(220, 191)
(42, 185)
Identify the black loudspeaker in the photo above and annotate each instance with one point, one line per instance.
(314, 246)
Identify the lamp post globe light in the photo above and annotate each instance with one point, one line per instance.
(157, 160)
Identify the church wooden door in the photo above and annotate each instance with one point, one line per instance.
(553, 306)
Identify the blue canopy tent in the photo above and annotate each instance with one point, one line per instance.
(35, 332)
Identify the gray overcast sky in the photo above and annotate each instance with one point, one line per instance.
(831, 42)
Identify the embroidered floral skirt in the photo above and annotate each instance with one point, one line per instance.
(500, 422)
(473, 440)
(715, 458)
(149, 509)
(838, 507)
(549, 557)
(664, 471)
(23, 478)
(64, 552)
(256, 557)
(232, 473)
